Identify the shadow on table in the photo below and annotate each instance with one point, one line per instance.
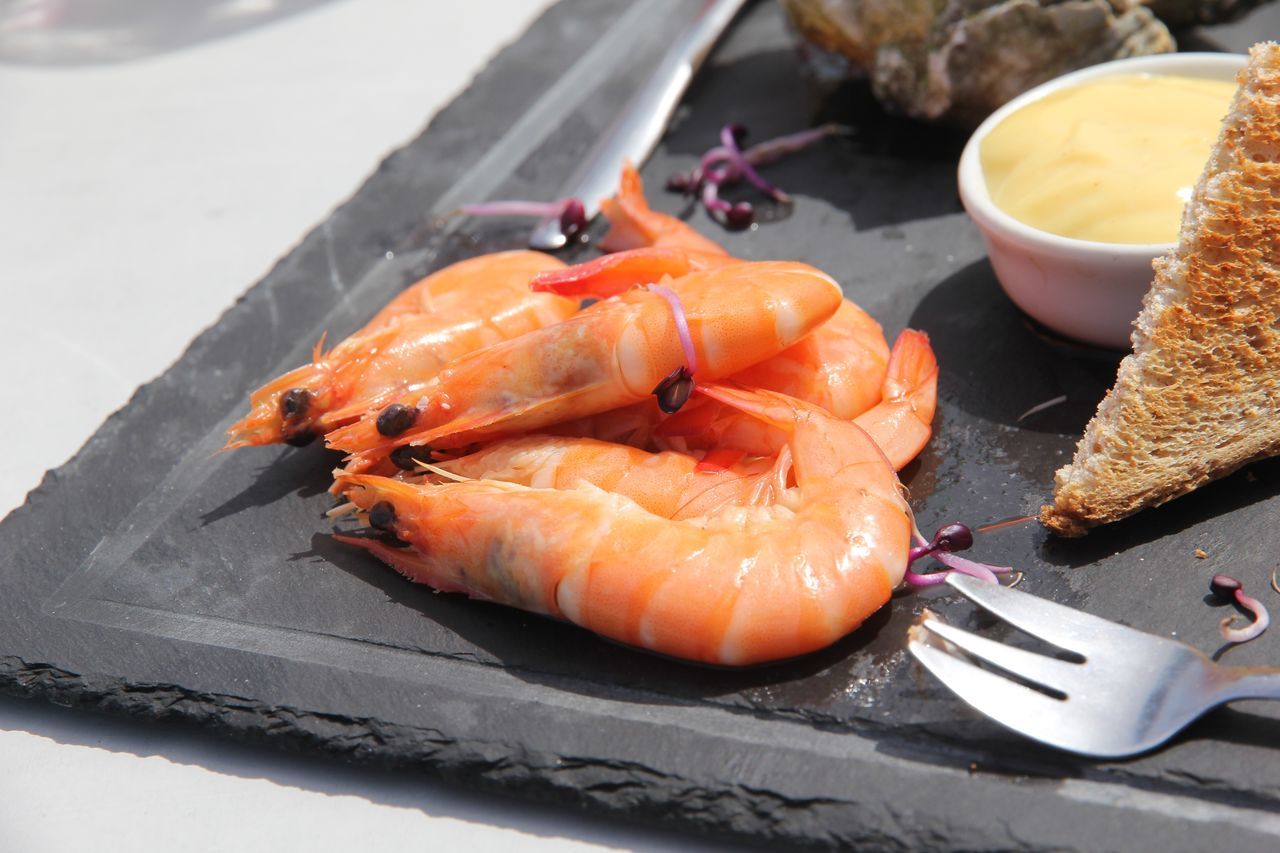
(304, 472)
(891, 169)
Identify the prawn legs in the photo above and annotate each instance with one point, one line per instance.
(737, 586)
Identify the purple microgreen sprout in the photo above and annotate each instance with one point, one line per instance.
(1225, 586)
(772, 150)
(570, 211)
(573, 216)
(681, 182)
(716, 166)
(730, 137)
(737, 216)
(727, 163)
(674, 390)
(948, 539)
(682, 325)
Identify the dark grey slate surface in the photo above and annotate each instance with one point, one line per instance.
(151, 577)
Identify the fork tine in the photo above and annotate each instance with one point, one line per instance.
(1049, 672)
(1008, 703)
(1063, 627)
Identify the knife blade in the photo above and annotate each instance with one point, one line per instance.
(635, 132)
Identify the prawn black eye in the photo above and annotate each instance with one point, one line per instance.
(674, 390)
(294, 403)
(395, 419)
(382, 516)
(407, 458)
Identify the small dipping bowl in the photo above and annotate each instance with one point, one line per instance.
(1083, 289)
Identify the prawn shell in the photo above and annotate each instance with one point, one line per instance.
(737, 587)
(609, 356)
(633, 224)
(461, 308)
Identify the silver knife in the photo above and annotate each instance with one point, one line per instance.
(634, 134)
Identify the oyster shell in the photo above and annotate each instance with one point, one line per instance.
(958, 60)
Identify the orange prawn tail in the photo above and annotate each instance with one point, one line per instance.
(839, 469)
(822, 444)
(633, 224)
(773, 408)
(901, 422)
(611, 275)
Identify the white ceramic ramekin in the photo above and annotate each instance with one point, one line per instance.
(1083, 289)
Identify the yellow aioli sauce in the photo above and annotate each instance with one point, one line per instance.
(1112, 160)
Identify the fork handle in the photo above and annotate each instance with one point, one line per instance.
(1253, 682)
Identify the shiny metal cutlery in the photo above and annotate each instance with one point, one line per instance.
(634, 134)
(1130, 692)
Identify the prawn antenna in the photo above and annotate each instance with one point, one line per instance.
(436, 469)
(341, 510)
(318, 353)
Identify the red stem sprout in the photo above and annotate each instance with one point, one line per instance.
(682, 325)
(572, 214)
(1225, 586)
(949, 538)
(727, 164)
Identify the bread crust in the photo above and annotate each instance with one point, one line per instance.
(1199, 395)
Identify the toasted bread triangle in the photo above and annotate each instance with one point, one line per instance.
(1198, 396)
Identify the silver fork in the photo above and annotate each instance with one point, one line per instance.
(1131, 693)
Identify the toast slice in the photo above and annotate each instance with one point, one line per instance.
(1198, 396)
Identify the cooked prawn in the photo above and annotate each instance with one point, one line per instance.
(461, 308)
(633, 224)
(841, 366)
(844, 366)
(667, 483)
(471, 276)
(683, 484)
(737, 586)
(900, 422)
(610, 355)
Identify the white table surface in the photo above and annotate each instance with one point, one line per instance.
(213, 157)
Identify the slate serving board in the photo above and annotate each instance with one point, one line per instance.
(151, 577)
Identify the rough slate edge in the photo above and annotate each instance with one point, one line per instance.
(952, 836)
(784, 789)
(955, 836)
